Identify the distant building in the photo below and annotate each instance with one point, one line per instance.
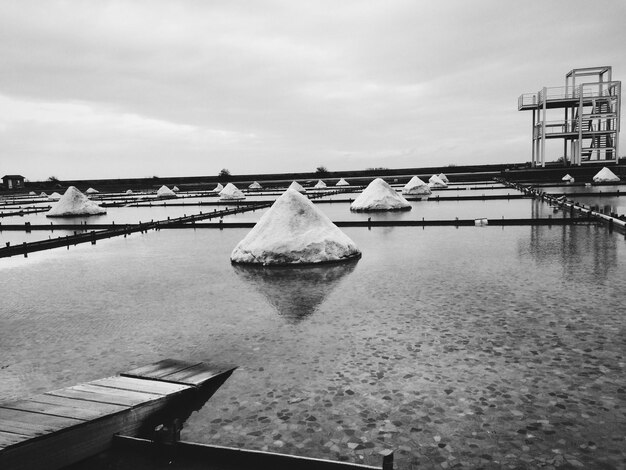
(13, 181)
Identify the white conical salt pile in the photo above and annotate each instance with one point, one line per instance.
(129, 191)
(342, 182)
(175, 189)
(297, 186)
(164, 192)
(568, 178)
(74, 203)
(444, 178)
(320, 184)
(436, 182)
(54, 196)
(605, 176)
(218, 188)
(379, 196)
(43, 194)
(230, 191)
(294, 231)
(255, 185)
(32, 193)
(92, 191)
(416, 187)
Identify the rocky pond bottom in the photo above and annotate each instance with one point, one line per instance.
(457, 348)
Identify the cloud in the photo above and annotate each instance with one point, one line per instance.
(283, 85)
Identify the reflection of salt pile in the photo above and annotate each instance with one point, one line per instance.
(231, 192)
(92, 191)
(444, 178)
(297, 291)
(416, 186)
(294, 231)
(72, 203)
(436, 182)
(605, 176)
(255, 185)
(320, 184)
(567, 178)
(342, 182)
(297, 187)
(54, 196)
(164, 192)
(379, 196)
(218, 188)
(175, 189)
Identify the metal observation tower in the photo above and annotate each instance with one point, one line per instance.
(591, 102)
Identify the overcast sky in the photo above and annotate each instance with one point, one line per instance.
(106, 89)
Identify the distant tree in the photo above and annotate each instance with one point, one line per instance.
(224, 174)
(321, 170)
(53, 179)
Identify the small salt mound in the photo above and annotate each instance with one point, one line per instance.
(32, 193)
(175, 189)
(92, 191)
(416, 186)
(255, 185)
(43, 194)
(164, 192)
(444, 178)
(294, 231)
(54, 196)
(297, 187)
(74, 203)
(605, 176)
(230, 191)
(129, 191)
(436, 182)
(320, 184)
(342, 182)
(568, 178)
(379, 196)
(218, 188)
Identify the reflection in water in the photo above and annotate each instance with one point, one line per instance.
(295, 292)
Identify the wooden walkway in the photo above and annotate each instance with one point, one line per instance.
(61, 427)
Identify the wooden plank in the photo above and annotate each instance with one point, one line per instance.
(140, 385)
(159, 369)
(197, 374)
(27, 429)
(28, 417)
(9, 439)
(105, 395)
(89, 408)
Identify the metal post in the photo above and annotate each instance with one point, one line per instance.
(580, 125)
(533, 160)
(543, 130)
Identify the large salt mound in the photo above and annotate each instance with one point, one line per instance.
(218, 188)
(444, 178)
(568, 178)
(294, 231)
(379, 196)
(230, 191)
(320, 184)
(54, 196)
(297, 186)
(73, 203)
(416, 186)
(165, 192)
(604, 176)
(436, 182)
(342, 182)
(255, 185)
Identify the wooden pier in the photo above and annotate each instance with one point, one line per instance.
(58, 428)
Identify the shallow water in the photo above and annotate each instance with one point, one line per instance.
(478, 346)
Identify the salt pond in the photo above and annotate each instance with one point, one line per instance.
(478, 346)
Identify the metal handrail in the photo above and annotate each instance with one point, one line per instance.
(571, 125)
(587, 90)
